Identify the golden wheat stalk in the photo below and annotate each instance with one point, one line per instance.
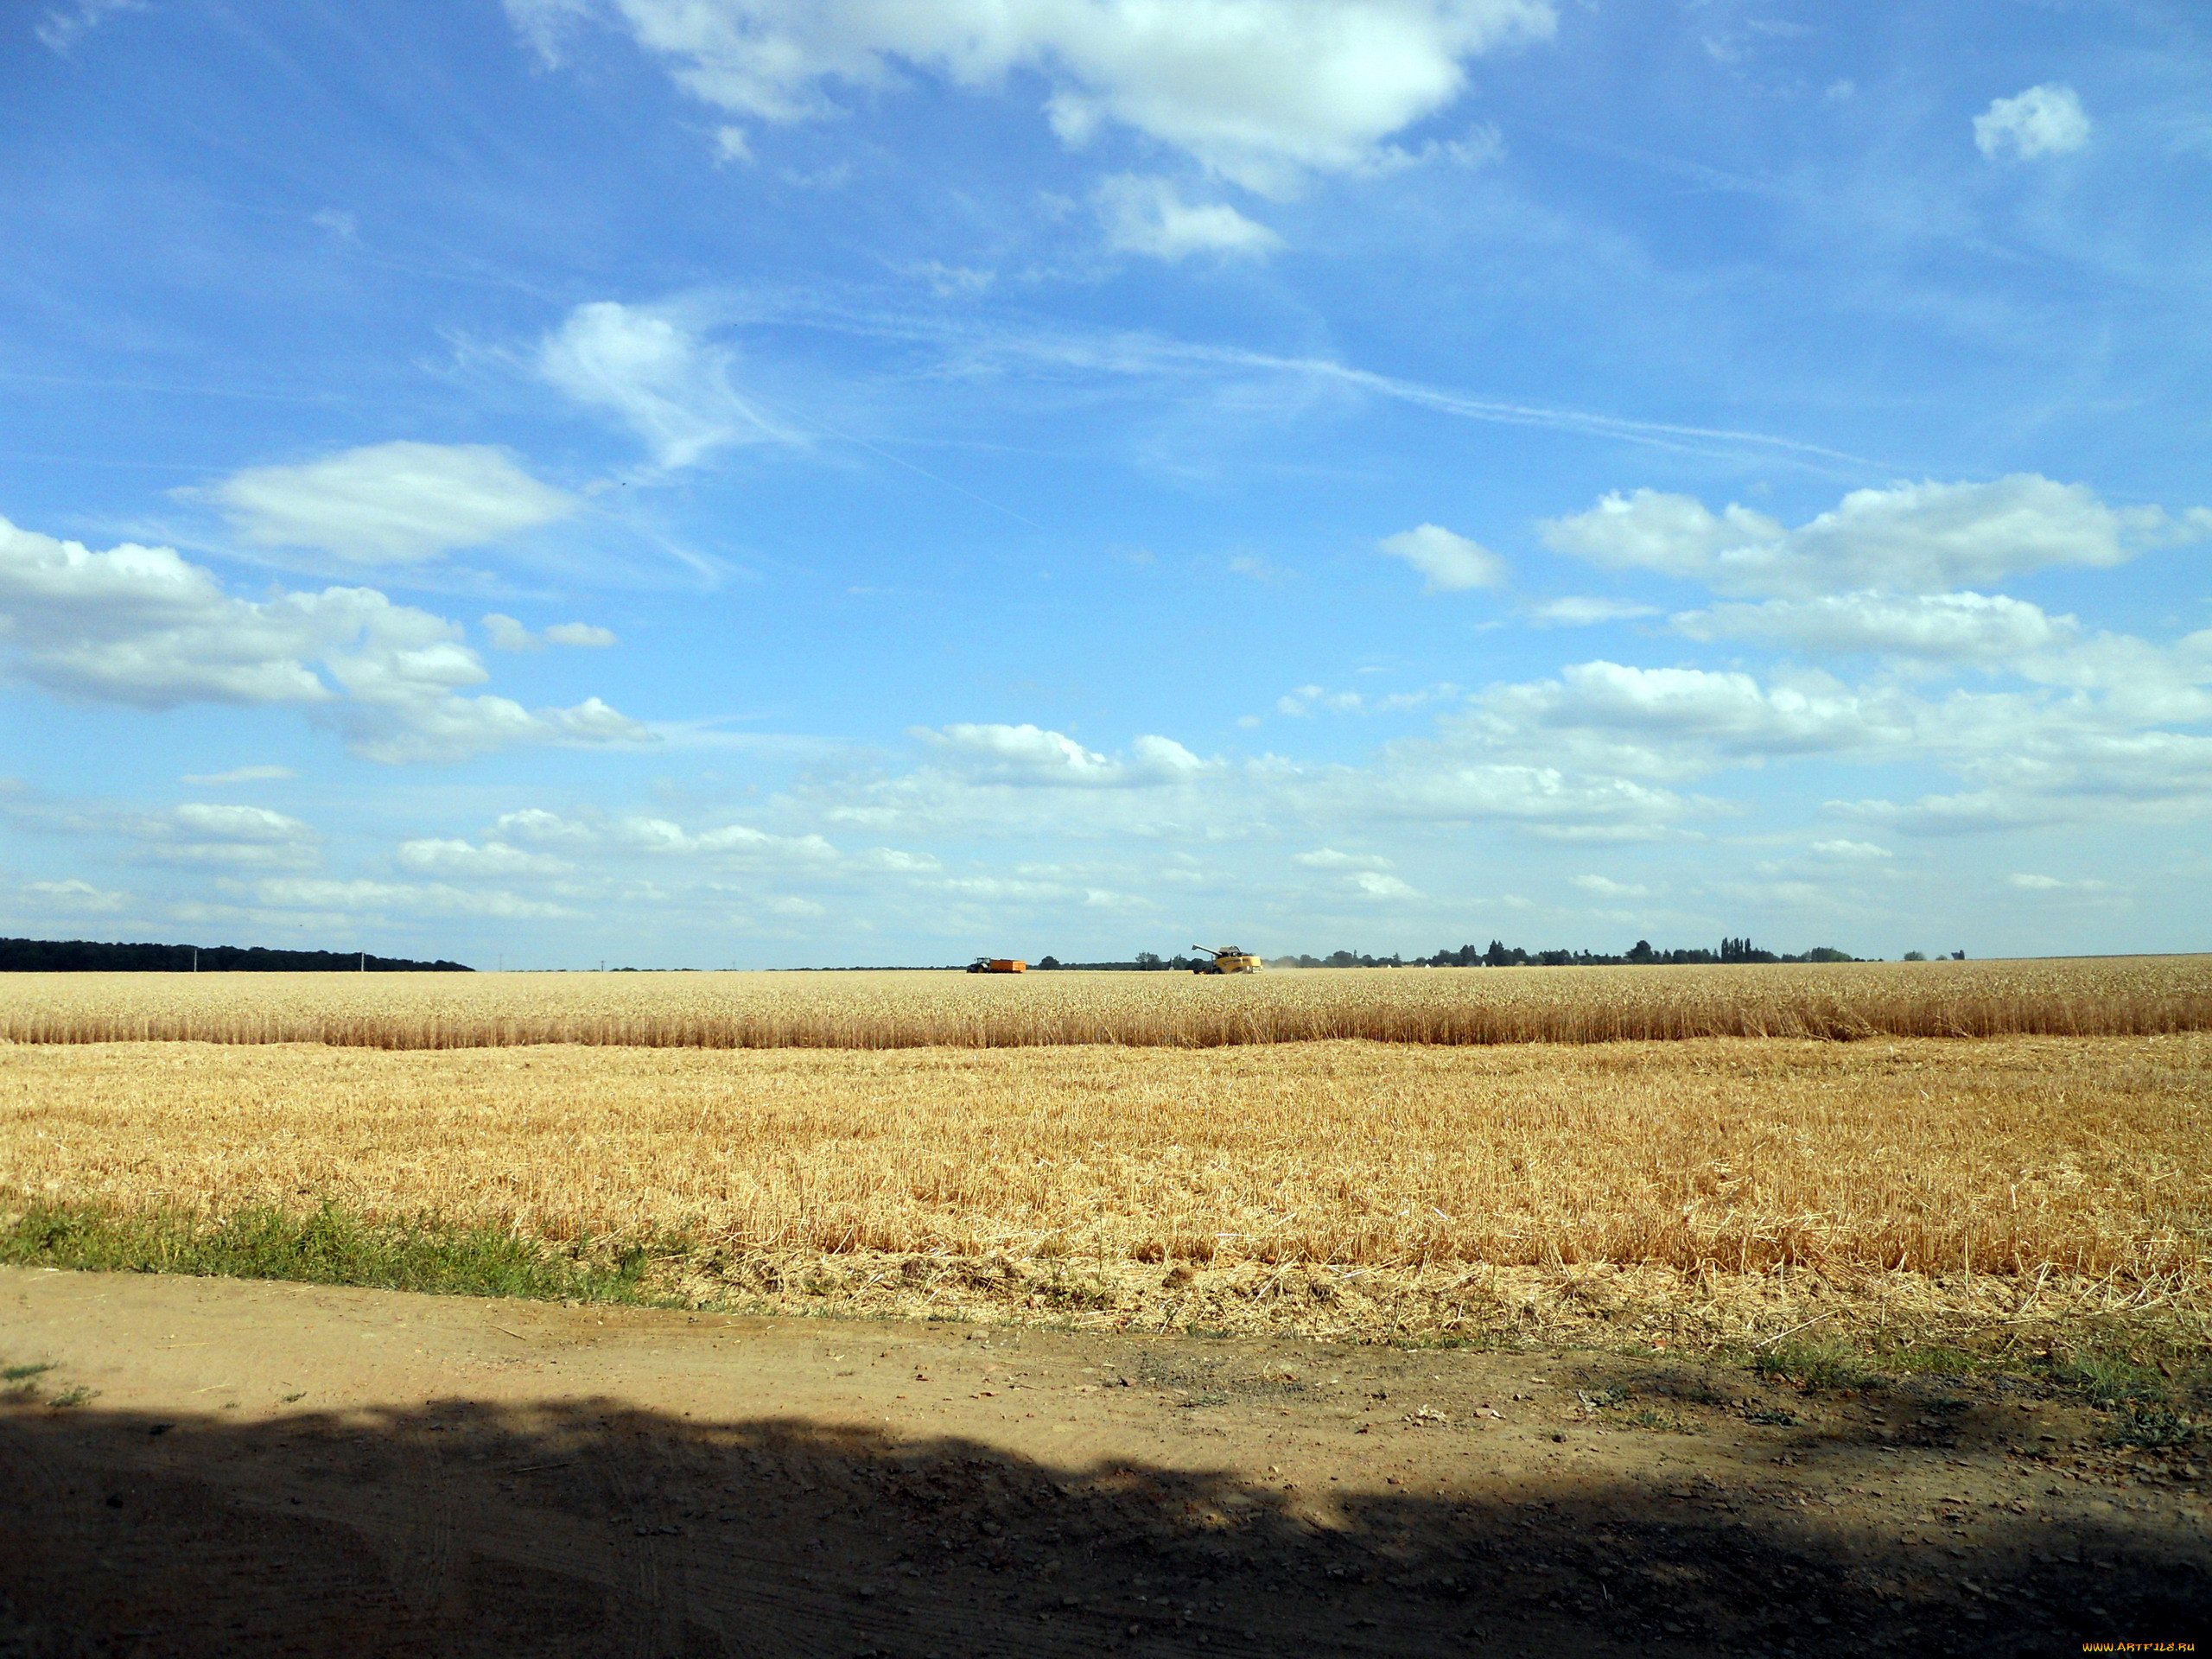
(2141, 996)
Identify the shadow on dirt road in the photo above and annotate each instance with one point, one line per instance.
(597, 1529)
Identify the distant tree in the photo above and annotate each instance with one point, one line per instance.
(1341, 959)
(1640, 951)
(1914, 956)
(1149, 959)
(1958, 955)
(1828, 953)
(1048, 962)
(1743, 951)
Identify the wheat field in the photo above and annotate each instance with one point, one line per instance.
(889, 1010)
(1388, 1139)
(2009, 1163)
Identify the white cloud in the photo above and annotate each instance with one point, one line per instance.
(398, 503)
(386, 899)
(237, 837)
(662, 838)
(1583, 613)
(1607, 887)
(58, 29)
(2045, 120)
(1328, 858)
(1375, 886)
(1921, 537)
(1310, 699)
(653, 373)
(581, 634)
(1030, 755)
(2027, 883)
(1149, 216)
(230, 823)
(1968, 628)
(1679, 721)
(72, 897)
(731, 145)
(893, 862)
(1452, 564)
(238, 775)
(1259, 91)
(141, 626)
(457, 857)
(1849, 852)
(505, 633)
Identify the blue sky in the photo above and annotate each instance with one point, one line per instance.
(776, 482)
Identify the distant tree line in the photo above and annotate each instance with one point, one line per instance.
(84, 957)
(1499, 955)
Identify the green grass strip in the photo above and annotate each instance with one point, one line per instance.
(328, 1246)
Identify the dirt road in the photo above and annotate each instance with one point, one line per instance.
(208, 1466)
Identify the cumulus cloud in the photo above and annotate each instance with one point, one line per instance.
(585, 635)
(398, 503)
(1679, 721)
(2030, 883)
(1982, 629)
(72, 897)
(142, 626)
(1607, 887)
(1030, 755)
(1583, 613)
(2045, 120)
(360, 897)
(239, 837)
(238, 775)
(432, 856)
(505, 633)
(1316, 699)
(1328, 858)
(1849, 852)
(1452, 564)
(657, 376)
(1374, 885)
(662, 837)
(1262, 92)
(1149, 216)
(1922, 538)
(2067, 761)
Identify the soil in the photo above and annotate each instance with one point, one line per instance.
(210, 1466)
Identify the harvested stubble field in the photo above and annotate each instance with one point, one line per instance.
(2108, 997)
(1994, 1190)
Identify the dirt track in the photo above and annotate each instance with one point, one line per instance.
(267, 1468)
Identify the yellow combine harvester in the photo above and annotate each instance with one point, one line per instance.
(997, 965)
(1226, 959)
